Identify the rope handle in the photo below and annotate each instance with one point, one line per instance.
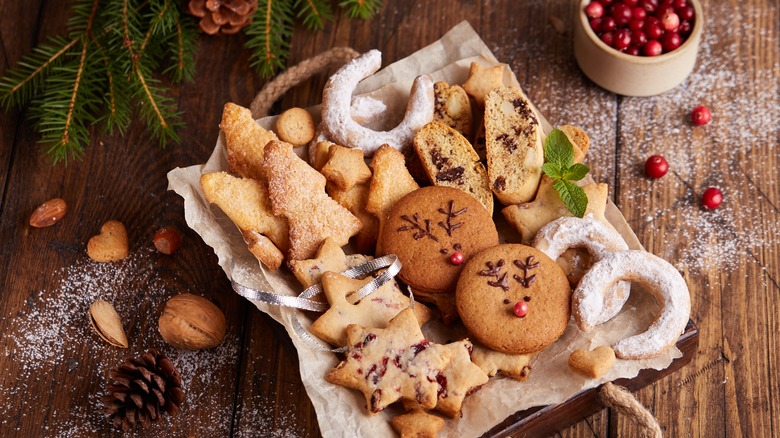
(307, 68)
(621, 399)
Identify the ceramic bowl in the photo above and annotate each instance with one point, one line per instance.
(630, 75)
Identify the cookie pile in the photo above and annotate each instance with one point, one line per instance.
(424, 191)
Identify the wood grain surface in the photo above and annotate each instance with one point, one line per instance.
(251, 386)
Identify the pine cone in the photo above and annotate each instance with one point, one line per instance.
(141, 389)
(225, 16)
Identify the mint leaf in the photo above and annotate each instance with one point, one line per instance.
(552, 170)
(558, 150)
(572, 196)
(575, 172)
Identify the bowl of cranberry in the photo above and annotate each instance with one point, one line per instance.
(637, 47)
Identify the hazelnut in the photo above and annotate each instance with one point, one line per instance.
(191, 322)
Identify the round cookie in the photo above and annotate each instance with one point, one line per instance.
(425, 227)
(494, 281)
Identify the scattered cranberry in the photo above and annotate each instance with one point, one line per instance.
(594, 10)
(521, 309)
(671, 41)
(652, 48)
(711, 199)
(167, 240)
(701, 115)
(656, 166)
(457, 258)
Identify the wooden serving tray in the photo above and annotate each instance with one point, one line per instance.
(546, 420)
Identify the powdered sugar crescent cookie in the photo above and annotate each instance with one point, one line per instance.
(344, 130)
(659, 277)
(598, 239)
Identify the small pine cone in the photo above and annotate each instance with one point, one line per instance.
(223, 16)
(141, 389)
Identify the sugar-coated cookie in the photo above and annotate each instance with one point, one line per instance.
(482, 80)
(514, 299)
(295, 126)
(244, 141)
(345, 167)
(426, 227)
(355, 200)
(594, 363)
(417, 424)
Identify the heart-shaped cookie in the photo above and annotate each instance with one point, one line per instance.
(110, 245)
(593, 364)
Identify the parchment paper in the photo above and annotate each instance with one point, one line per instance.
(341, 411)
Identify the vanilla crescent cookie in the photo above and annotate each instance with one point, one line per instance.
(344, 130)
(598, 239)
(660, 278)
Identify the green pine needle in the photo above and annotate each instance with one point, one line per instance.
(362, 9)
(269, 35)
(315, 13)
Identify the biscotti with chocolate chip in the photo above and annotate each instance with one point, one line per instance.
(514, 146)
(450, 161)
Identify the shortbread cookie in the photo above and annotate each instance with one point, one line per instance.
(263, 249)
(297, 192)
(110, 245)
(595, 237)
(450, 161)
(391, 364)
(375, 310)
(530, 217)
(444, 302)
(330, 258)
(515, 366)
(321, 154)
(514, 299)
(659, 277)
(452, 107)
(345, 167)
(459, 379)
(425, 228)
(417, 424)
(514, 146)
(579, 141)
(355, 200)
(295, 126)
(244, 141)
(592, 364)
(344, 130)
(482, 80)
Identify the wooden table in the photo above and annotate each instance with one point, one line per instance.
(55, 366)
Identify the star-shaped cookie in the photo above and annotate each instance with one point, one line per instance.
(391, 364)
(330, 258)
(417, 424)
(491, 362)
(346, 167)
(482, 80)
(375, 310)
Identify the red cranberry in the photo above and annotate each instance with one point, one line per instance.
(666, 2)
(622, 14)
(663, 10)
(701, 115)
(608, 24)
(606, 3)
(670, 22)
(671, 41)
(653, 29)
(457, 258)
(521, 309)
(633, 51)
(638, 38)
(608, 38)
(639, 13)
(594, 10)
(595, 24)
(679, 4)
(622, 39)
(649, 5)
(685, 28)
(686, 13)
(656, 166)
(636, 24)
(652, 48)
(631, 3)
(711, 199)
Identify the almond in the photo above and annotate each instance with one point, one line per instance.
(107, 324)
(48, 213)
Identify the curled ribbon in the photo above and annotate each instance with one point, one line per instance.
(304, 300)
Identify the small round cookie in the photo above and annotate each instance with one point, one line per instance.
(514, 299)
(427, 227)
(295, 126)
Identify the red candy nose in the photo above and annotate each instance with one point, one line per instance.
(521, 309)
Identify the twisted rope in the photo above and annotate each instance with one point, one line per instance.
(619, 398)
(307, 68)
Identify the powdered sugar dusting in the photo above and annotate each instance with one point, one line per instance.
(52, 334)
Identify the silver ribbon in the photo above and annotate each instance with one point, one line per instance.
(304, 300)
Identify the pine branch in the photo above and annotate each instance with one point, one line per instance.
(362, 9)
(269, 35)
(181, 50)
(315, 13)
